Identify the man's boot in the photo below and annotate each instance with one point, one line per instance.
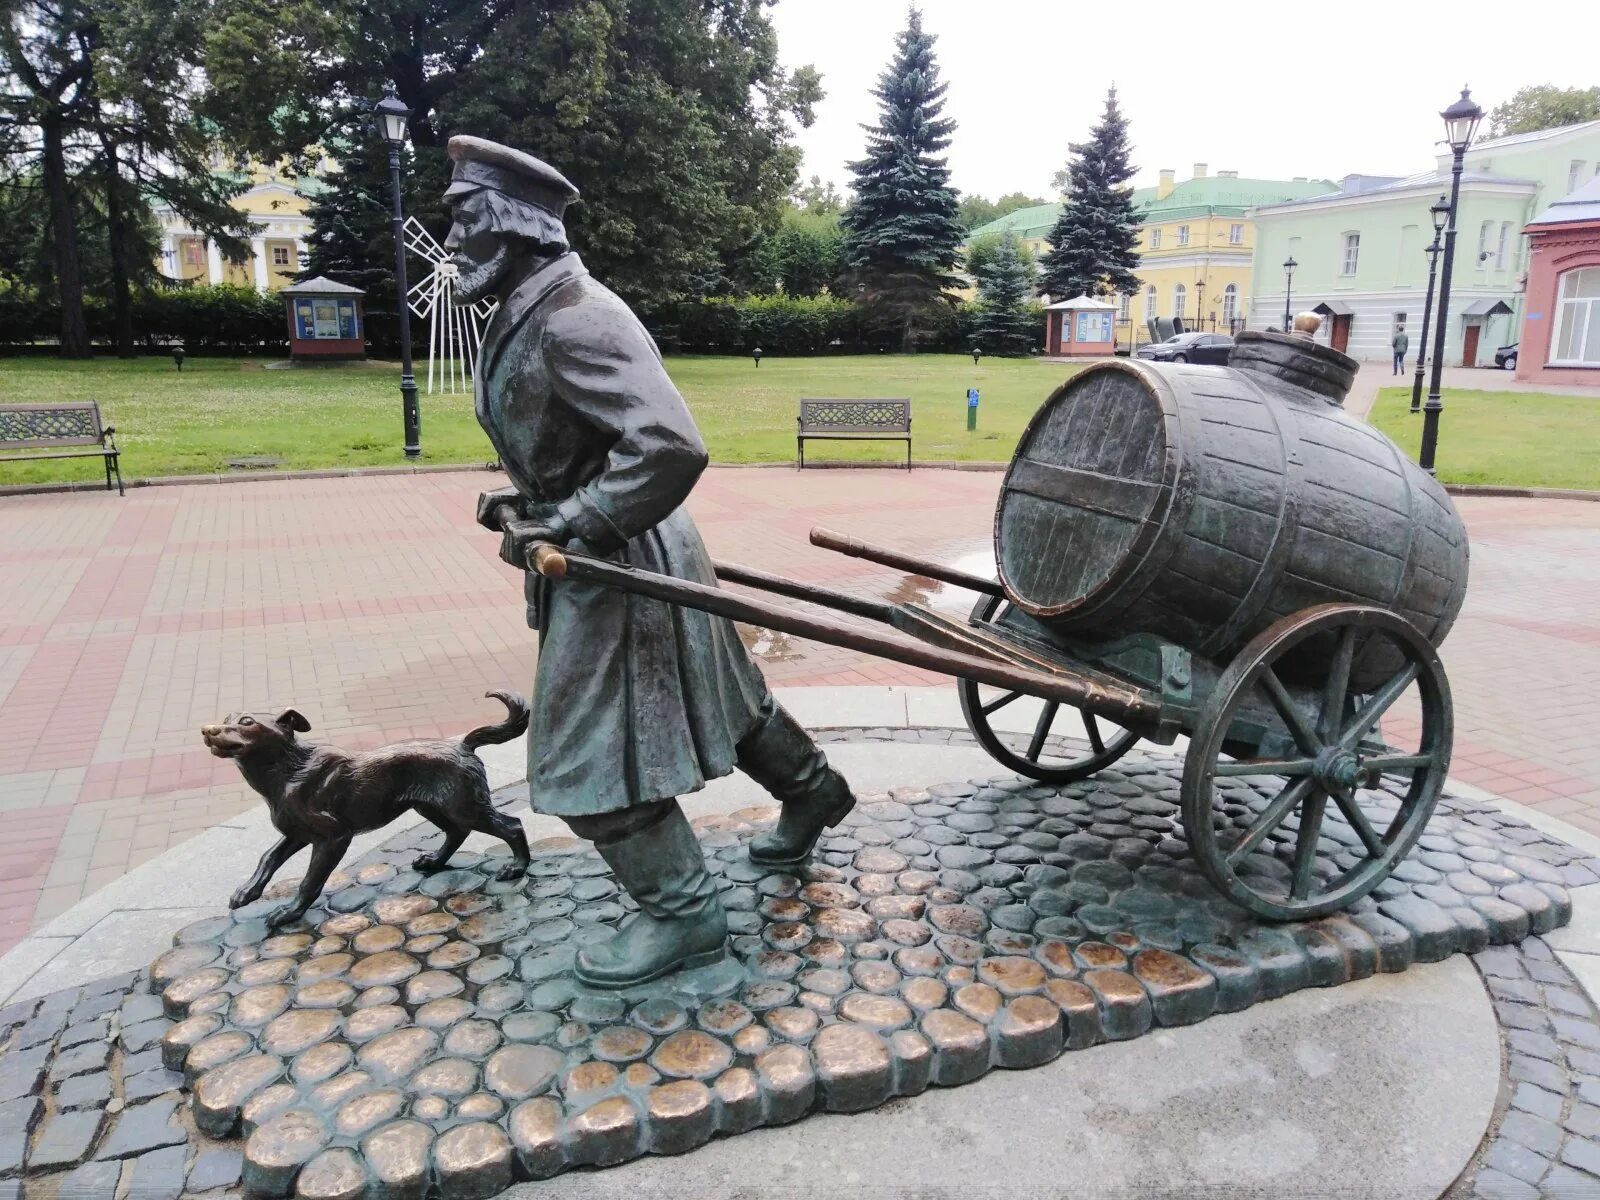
(680, 922)
(780, 756)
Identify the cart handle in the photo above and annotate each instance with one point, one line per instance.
(1126, 706)
(856, 548)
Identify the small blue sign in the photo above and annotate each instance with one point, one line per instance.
(972, 397)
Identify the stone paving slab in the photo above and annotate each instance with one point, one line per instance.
(379, 609)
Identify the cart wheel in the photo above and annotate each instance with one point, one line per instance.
(1107, 741)
(1272, 870)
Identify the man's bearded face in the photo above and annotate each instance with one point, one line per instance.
(481, 256)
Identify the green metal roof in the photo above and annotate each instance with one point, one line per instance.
(1215, 195)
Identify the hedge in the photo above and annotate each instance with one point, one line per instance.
(808, 325)
(220, 318)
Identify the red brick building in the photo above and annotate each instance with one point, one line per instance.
(1561, 311)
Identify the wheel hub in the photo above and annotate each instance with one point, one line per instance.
(1339, 769)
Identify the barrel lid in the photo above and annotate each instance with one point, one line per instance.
(1083, 497)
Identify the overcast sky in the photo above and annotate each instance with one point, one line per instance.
(1269, 90)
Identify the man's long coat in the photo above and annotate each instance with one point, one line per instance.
(635, 700)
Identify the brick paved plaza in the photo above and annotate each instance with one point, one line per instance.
(377, 607)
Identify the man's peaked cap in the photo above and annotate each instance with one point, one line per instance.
(481, 164)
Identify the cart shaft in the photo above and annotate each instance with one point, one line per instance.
(856, 548)
(1124, 705)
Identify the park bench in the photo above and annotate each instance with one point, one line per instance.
(33, 431)
(855, 421)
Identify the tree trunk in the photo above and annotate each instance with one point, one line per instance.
(118, 234)
(64, 227)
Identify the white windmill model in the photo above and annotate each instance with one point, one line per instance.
(454, 333)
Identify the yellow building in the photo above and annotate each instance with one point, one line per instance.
(1195, 246)
(276, 207)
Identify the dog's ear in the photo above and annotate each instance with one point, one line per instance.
(291, 719)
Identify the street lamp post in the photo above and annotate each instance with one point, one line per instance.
(1439, 212)
(1460, 125)
(1200, 303)
(391, 120)
(1289, 265)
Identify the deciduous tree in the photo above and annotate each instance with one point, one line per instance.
(1544, 106)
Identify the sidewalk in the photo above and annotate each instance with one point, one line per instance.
(376, 607)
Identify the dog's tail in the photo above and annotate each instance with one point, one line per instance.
(514, 726)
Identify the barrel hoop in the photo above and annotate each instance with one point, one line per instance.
(1246, 618)
(1129, 499)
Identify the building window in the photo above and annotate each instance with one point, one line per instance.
(1484, 231)
(1230, 303)
(1235, 235)
(1183, 235)
(1150, 302)
(193, 254)
(1500, 250)
(280, 256)
(1155, 239)
(1180, 300)
(1578, 319)
(1575, 175)
(1352, 254)
(1125, 307)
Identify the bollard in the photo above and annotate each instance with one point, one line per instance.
(972, 408)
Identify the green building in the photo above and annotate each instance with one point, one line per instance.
(1361, 247)
(1195, 244)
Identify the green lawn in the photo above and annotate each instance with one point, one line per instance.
(171, 423)
(1521, 439)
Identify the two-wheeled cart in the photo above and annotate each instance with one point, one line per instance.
(1218, 553)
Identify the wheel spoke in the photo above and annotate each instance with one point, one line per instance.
(1384, 763)
(1041, 730)
(1092, 728)
(1377, 705)
(1351, 807)
(1271, 817)
(1338, 686)
(999, 704)
(1267, 766)
(1305, 846)
(1305, 737)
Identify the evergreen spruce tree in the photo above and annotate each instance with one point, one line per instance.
(1003, 326)
(1091, 246)
(904, 225)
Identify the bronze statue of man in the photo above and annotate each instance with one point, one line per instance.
(636, 702)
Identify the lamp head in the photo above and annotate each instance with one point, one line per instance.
(1289, 265)
(391, 116)
(1440, 213)
(1461, 121)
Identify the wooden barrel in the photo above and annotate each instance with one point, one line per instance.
(1201, 504)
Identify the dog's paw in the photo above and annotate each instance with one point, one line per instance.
(510, 871)
(427, 863)
(244, 896)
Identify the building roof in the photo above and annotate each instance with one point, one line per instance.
(1084, 301)
(1424, 180)
(1582, 205)
(321, 286)
(1538, 135)
(1213, 195)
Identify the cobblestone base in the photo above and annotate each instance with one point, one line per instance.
(424, 1033)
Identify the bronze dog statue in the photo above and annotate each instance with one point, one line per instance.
(322, 797)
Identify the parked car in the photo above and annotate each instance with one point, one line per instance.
(1506, 357)
(1189, 347)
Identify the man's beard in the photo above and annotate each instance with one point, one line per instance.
(477, 282)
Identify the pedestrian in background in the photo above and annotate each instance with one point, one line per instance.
(1401, 344)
